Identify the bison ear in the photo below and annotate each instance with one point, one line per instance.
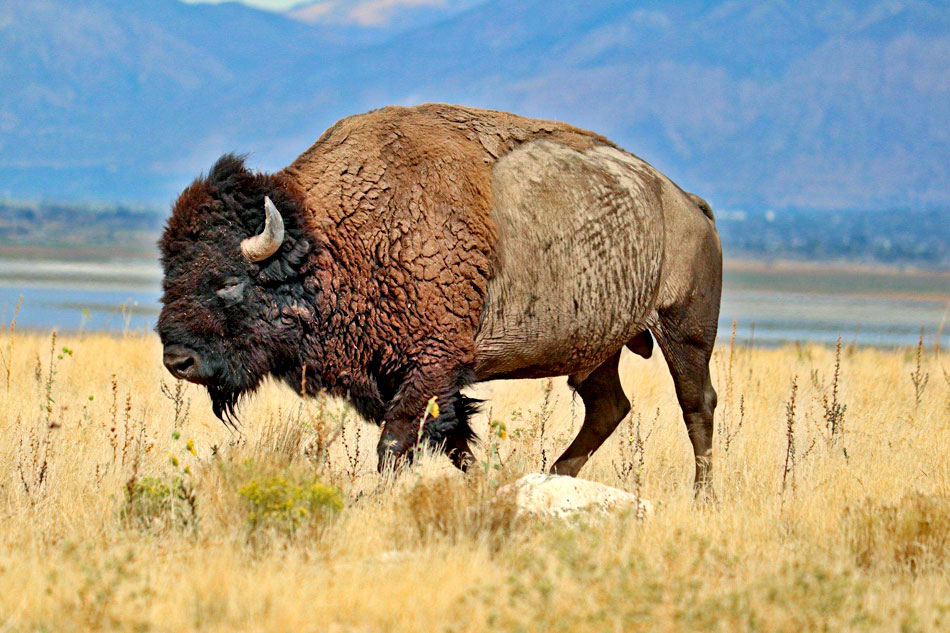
(288, 265)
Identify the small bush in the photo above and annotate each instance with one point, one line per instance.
(912, 535)
(284, 504)
(152, 503)
(275, 497)
(459, 508)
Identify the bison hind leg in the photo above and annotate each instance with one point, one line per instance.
(687, 355)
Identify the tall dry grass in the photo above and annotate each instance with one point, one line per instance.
(125, 506)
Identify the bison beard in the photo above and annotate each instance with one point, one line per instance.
(224, 404)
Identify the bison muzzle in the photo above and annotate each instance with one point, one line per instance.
(411, 252)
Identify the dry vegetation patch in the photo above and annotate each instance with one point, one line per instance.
(125, 506)
(912, 535)
(458, 508)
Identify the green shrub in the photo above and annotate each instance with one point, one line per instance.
(152, 503)
(275, 497)
(287, 501)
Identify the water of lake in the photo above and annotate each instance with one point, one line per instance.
(770, 306)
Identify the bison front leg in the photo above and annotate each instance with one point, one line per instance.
(406, 426)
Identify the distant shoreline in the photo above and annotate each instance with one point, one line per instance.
(819, 266)
(78, 253)
(840, 279)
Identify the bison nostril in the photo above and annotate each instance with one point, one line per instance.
(181, 361)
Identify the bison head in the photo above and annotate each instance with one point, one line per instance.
(233, 254)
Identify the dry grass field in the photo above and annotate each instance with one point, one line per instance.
(126, 506)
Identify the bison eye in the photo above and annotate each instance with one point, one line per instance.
(231, 291)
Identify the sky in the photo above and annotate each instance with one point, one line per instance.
(275, 5)
(280, 5)
(366, 13)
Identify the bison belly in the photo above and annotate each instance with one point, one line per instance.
(578, 257)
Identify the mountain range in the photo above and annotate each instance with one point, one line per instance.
(755, 104)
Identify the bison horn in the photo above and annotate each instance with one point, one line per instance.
(262, 246)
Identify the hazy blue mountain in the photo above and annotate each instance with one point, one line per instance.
(378, 19)
(757, 104)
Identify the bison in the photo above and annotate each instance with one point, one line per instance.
(411, 252)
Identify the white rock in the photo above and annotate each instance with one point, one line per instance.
(559, 496)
